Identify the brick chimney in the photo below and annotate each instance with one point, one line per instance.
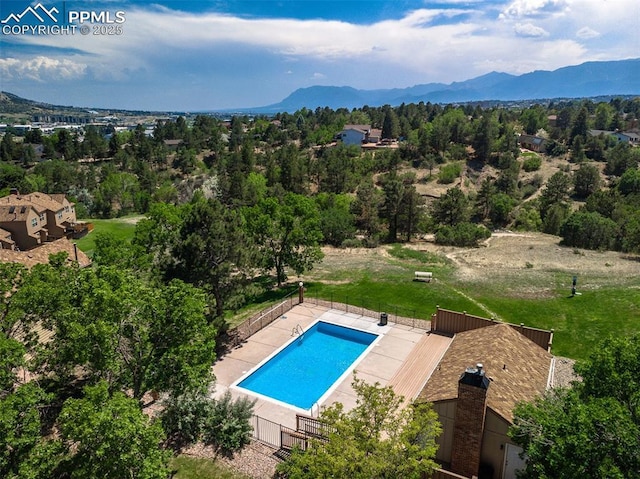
(469, 424)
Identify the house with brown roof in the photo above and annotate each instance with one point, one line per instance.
(354, 134)
(533, 143)
(361, 135)
(35, 218)
(40, 255)
(481, 377)
(26, 225)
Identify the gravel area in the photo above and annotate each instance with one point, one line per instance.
(563, 374)
(255, 460)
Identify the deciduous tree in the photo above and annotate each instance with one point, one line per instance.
(592, 429)
(21, 422)
(376, 439)
(135, 336)
(287, 233)
(109, 436)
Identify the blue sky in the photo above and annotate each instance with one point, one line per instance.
(205, 55)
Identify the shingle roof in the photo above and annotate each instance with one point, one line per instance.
(58, 197)
(40, 201)
(5, 235)
(40, 255)
(362, 128)
(518, 368)
(18, 212)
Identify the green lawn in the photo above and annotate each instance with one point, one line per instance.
(121, 228)
(385, 283)
(579, 322)
(186, 467)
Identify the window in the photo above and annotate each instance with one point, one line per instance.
(42, 217)
(60, 214)
(34, 221)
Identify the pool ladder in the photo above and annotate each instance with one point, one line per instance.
(297, 331)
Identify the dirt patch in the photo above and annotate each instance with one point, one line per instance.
(513, 252)
(132, 219)
(505, 256)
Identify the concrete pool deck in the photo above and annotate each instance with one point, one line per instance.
(403, 358)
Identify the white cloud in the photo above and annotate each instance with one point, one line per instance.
(586, 33)
(420, 41)
(529, 30)
(532, 8)
(425, 45)
(41, 69)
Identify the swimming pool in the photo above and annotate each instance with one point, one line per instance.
(306, 369)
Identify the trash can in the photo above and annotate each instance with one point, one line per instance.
(383, 319)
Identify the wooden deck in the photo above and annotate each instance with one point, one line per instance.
(416, 370)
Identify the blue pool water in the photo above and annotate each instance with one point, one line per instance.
(302, 372)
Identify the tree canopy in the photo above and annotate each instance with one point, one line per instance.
(376, 439)
(591, 429)
(287, 233)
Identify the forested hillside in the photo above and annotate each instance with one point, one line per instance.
(454, 170)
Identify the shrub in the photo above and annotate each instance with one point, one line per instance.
(589, 230)
(184, 418)
(352, 243)
(228, 428)
(531, 163)
(528, 190)
(222, 423)
(449, 173)
(462, 234)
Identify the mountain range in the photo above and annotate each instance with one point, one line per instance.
(591, 79)
(588, 80)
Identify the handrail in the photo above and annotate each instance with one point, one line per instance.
(297, 330)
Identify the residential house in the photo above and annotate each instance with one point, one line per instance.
(598, 133)
(533, 143)
(483, 374)
(173, 145)
(35, 218)
(354, 134)
(26, 225)
(360, 135)
(374, 136)
(630, 137)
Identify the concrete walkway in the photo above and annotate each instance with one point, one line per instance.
(383, 362)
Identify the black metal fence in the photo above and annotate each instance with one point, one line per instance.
(266, 431)
(373, 309)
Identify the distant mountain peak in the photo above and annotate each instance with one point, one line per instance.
(590, 79)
